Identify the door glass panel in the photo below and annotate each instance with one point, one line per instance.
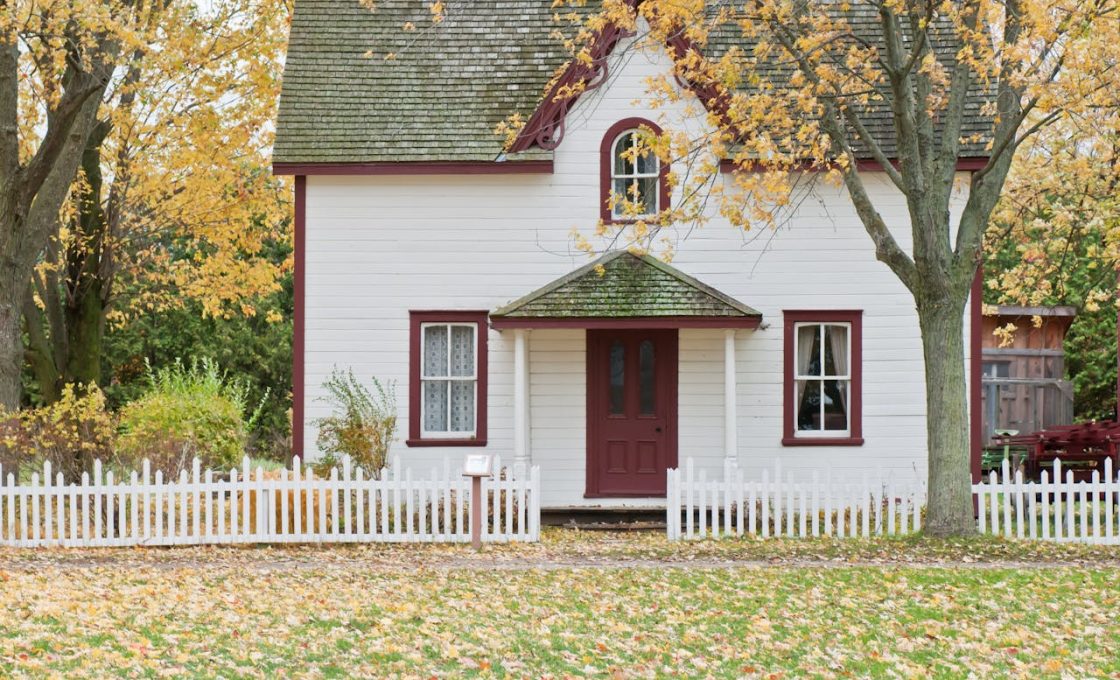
(618, 378)
(647, 387)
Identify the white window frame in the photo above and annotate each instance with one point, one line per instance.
(656, 175)
(437, 434)
(797, 376)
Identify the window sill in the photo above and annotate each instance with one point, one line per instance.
(652, 220)
(445, 442)
(822, 441)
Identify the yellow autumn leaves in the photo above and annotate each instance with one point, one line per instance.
(539, 611)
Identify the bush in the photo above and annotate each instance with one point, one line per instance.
(362, 426)
(70, 434)
(186, 413)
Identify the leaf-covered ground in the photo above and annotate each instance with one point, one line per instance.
(643, 608)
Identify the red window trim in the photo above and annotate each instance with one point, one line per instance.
(849, 316)
(415, 320)
(606, 160)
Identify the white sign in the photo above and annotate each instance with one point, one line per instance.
(478, 465)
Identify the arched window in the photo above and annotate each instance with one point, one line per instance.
(632, 176)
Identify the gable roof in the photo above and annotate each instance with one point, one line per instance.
(439, 99)
(448, 86)
(621, 285)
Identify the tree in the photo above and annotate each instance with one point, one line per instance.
(56, 61)
(176, 163)
(802, 95)
(1055, 239)
(255, 348)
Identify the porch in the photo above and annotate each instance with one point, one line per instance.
(606, 361)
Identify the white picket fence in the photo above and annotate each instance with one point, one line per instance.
(253, 506)
(697, 507)
(1051, 509)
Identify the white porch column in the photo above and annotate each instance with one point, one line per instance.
(521, 450)
(730, 410)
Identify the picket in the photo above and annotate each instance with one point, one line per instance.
(1057, 507)
(126, 508)
(779, 505)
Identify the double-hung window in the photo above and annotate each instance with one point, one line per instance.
(634, 183)
(448, 386)
(635, 177)
(823, 382)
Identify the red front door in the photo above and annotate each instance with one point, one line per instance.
(631, 411)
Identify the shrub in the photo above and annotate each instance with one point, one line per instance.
(186, 413)
(69, 433)
(363, 424)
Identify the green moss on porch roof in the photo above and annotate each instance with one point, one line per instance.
(627, 286)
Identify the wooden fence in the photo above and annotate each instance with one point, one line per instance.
(697, 507)
(254, 506)
(1051, 508)
(1055, 508)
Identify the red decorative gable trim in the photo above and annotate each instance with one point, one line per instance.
(545, 128)
(715, 98)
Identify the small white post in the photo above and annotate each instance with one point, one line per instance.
(730, 409)
(521, 447)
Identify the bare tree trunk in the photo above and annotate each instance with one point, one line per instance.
(941, 318)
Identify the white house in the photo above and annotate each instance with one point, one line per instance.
(427, 256)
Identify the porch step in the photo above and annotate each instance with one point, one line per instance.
(605, 519)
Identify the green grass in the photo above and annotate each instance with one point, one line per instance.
(442, 612)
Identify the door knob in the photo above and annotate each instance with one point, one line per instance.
(658, 430)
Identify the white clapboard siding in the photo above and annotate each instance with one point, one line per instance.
(1054, 508)
(379, 246)
(252, 506)
(784, 506)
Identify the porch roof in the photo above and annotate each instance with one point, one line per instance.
(621, 289)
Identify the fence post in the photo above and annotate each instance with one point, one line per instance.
(476, 512)
(535, 500)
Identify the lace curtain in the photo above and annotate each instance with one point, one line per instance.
(449, 378)
(462, 391)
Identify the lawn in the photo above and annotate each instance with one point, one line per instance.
(646, 609)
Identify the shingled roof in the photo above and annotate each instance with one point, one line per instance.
(622, 285)
(439, 99)
(447, 86)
